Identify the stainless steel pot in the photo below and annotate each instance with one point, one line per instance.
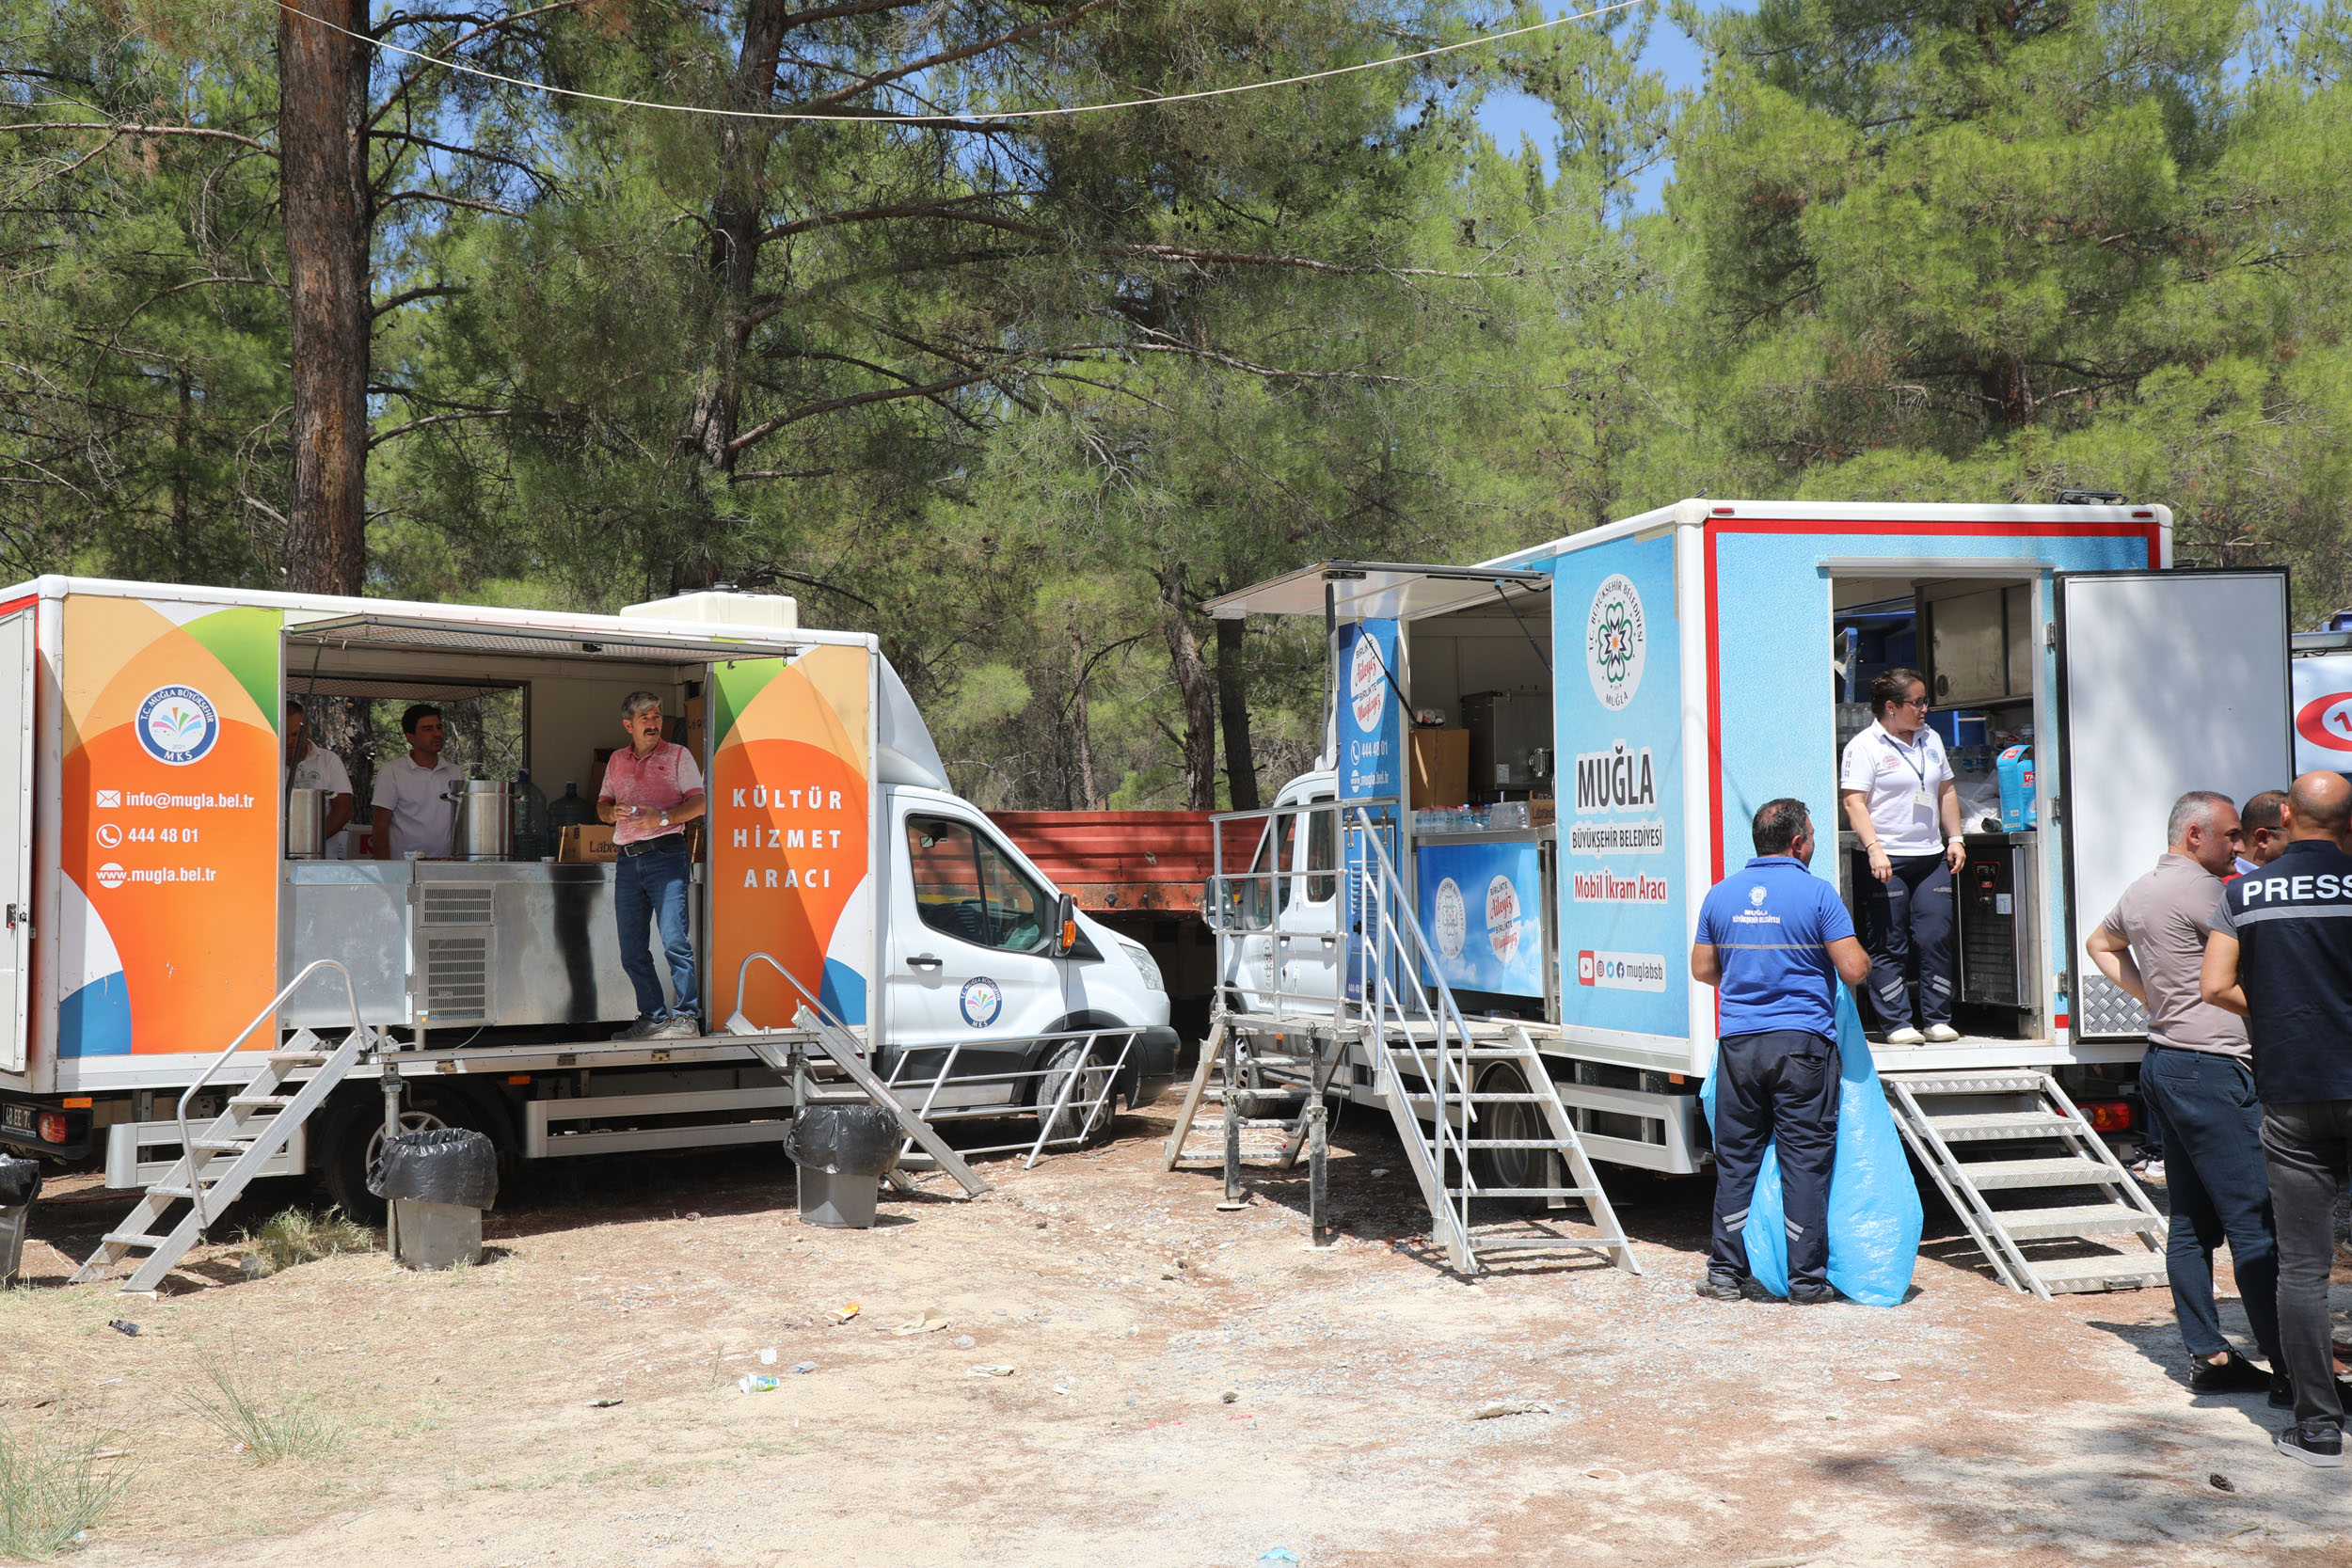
(306, 815)
(484, 829)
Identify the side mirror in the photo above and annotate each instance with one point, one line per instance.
(1065, 926)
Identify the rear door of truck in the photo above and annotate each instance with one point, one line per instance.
(16, 831)
(2168, 681)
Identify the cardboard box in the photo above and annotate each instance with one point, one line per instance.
(1440, 769)
(587, 841)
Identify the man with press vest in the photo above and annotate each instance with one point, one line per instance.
(2281, 957)
(1774, 940)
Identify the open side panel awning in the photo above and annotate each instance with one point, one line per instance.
(1375, 591)
(454, 637)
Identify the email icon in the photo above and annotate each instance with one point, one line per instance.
(110, 798)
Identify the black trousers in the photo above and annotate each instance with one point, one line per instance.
(1908, 919)
(1776, 1088)
(2308, 1148)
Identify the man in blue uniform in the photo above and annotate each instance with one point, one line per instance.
(1774, 940)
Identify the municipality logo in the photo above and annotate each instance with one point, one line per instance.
(980, 1000)
(1756, 896)
(177, 725)
(1615, 642)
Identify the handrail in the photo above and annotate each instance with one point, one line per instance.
(816, 1004)
(187, 1147)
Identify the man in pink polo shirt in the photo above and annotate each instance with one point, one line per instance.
(651, 791)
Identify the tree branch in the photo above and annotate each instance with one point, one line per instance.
(833, 406)
(490, 207)
(383, 435)
(409, 296)
(125, 130)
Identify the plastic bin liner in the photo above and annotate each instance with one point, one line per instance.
(844, 1140)
(1874, 1214)
(447, 1164)
(20, 1181)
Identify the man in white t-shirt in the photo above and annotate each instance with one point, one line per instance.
(309, 765)
(1902, 802)
(414, 816)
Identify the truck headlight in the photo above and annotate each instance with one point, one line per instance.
(1145, 964)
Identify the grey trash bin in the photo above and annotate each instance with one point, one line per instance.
(842, 1151)
(20, 1184)
(438, 1183)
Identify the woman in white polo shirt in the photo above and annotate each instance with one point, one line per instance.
(1902, 804)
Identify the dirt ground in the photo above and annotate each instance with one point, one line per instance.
(1187, 1388)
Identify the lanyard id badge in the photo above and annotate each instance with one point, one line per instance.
(1921, 797)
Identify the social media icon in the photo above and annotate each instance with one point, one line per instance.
(110, 798)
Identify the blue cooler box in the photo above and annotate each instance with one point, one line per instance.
(2015, 767)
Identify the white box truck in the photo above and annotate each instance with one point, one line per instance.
(152, 913)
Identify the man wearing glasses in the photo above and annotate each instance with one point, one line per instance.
(1902, 802)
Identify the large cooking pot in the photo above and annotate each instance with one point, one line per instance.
(306, 817)
(484, 829)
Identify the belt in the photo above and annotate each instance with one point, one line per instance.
(674, 839)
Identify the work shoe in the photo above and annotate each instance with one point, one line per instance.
(1724, 1287)
(1906, 1035)
(1820, 1296)
(2311, 1443)
(2283, 1392)
(642, 1029)
(1942, 1033)
(2236, 1376)
(677, 1026)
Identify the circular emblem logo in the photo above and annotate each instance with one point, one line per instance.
(1756, 896)
(1502, 919)
(177, 724)
(1452, 919)
(1615, 642)
(111, 875)
(2327, 721)
(1367, 684)
(980, 1001)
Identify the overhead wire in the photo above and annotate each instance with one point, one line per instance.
(977, 116)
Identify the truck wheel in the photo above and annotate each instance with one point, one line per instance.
(1511, 1167)
(354, 1132)
(1091, 1082)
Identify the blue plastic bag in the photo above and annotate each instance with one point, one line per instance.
(1874, 1213)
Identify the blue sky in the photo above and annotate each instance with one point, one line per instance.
(1508, 114)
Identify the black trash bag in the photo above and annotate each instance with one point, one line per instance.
(20, 1181)
(447, 1164)
(844, 1140)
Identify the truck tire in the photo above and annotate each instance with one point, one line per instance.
(1511, 1167)
(1092, 1079)
(355, 1128)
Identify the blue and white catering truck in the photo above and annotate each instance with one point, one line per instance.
(1572, 738)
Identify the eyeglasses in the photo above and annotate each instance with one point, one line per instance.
(1919, 702)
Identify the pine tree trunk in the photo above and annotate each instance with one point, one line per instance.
(737, 212)
(322, 174)
(1193, 683)
(1232, 706)
(1089, 800)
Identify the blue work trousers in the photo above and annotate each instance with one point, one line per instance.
(653, 889)
(1777, 1088)
(2215, 1175)
(1907, 918)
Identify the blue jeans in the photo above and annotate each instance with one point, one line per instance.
(654, 889)
(2215, 1176)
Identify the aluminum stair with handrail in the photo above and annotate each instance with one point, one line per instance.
(219, 1159)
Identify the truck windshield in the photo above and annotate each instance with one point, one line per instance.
(965, 888)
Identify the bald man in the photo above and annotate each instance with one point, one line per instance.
(2280, 954)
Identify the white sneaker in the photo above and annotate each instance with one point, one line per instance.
(1942, 1033)
(1906, 1035)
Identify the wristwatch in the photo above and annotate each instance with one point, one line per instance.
(665, 819)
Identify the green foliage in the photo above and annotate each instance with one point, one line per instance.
(1004, 393)
(54, 1488)
(263, 1434)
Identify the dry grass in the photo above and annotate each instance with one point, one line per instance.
(54, 1488)
(293, 1430)
(297, 1236)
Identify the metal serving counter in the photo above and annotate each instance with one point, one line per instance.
(480, 943)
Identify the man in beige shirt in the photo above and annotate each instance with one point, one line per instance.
(2197, 1085)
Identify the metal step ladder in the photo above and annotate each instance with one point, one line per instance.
(2033, 1142)
(219, 1159)
(1264, 1139)
(788, 1056)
